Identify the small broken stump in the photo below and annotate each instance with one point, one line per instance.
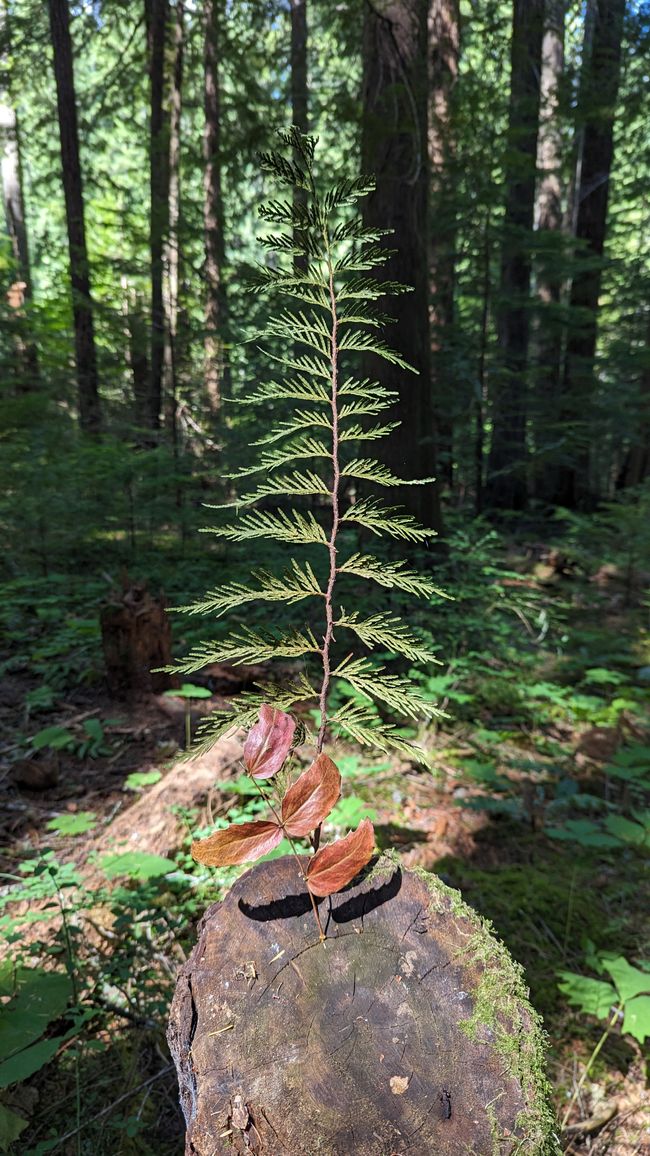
(407, 1031)
(136, 638)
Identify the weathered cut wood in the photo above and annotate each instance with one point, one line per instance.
(136, 637)
(407, 1032)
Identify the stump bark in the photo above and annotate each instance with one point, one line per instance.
(407, 1032)
(136, 637)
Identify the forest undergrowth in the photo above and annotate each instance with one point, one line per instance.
(536, 808)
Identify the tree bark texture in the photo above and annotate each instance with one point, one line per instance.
(394, 149)
(444, 50)
(549, 213)
(506, 483)
(136, 637)
(82, 305)
(406, 1031)
(172, 247)
(157, 12)
(299, 98)
(20, 291)
(216, 308)
(596, 110)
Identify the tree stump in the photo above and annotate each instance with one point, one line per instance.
(136, 636)
(407, 1031)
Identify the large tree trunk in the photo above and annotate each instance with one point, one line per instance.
(216, 307)
(82, 306)
(157, 12)
(506, 483)
(596, 110)
(394, 149)
(173, 254)
(636, 467)
(406, 1030)
(549, 213)
(299, 98)
(444, 43)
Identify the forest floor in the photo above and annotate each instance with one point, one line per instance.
(537, 810)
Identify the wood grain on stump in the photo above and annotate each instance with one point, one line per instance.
(406, 1032)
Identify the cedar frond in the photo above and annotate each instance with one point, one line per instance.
(295, 527)
(390, 574)
(394, 690)
(246, 647)
(293, 483)
(358, 723)
(388, 632)
(380, 519)
(304, 447)
(302, 419)
(356, 432)
(373, 471)
(291, 389)
(295, 584)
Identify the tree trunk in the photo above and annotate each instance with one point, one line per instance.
(20, 292)
(82, 305)
(550, 224)
(157, 12)
(408, 1029)
(444, 46)
(394, 149)
(173, 254)
(637, 462)
(299, 99)
(216, 308)
(596, 110)
(136, 638)
(506, 484)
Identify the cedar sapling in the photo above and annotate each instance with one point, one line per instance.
(337, 319)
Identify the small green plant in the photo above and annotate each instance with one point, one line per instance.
(188, 691)
(622, 999)
(313, 453)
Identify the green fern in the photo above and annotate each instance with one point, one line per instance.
(337, 316)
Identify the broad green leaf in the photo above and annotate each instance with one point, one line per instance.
(56, 738)
(136, 865)
(629, 980)
(593, 996)
(23, 1064)
(138, 779)
(76, 824)
(38, 997)
(189, 690)
(637, 1017)
(625, 829)
(11, 1126)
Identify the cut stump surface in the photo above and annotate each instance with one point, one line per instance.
(407, 1032)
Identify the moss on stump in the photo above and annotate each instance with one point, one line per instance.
(407, 1032)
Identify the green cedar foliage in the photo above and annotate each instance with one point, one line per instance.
(333, 314)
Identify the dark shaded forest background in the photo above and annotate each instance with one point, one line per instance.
(510, 145)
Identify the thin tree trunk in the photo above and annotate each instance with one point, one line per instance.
(506, 484)
(82, 305)
(596, 110)
(216, 315)
(444, 47)
(394, 148)
(173, 254)
(549, 215)
(481, 384)
(157, 12)
(20, 292)
(636, 467)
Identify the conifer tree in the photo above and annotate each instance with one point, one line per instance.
(311, 454)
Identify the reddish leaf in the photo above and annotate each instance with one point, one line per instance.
(268, 742)
(238, 843)
(339, 862)
(311, 797)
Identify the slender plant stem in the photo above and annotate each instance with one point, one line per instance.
(336, 478)
(590, 1062)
